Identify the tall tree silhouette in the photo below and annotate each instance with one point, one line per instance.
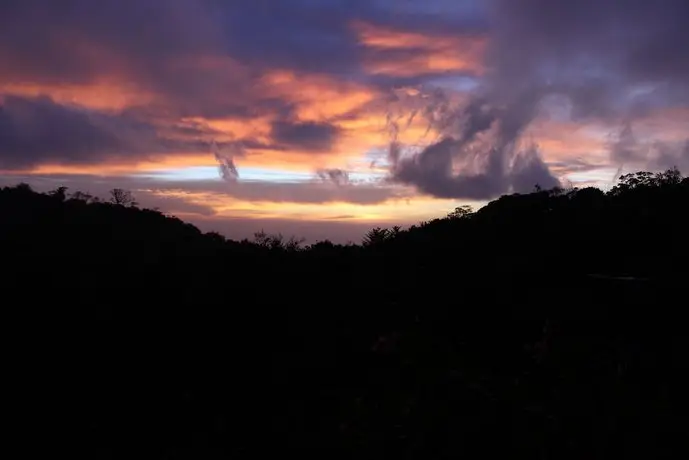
(122, 197)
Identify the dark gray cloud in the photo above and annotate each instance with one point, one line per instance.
(431, 171)
(669, 155)
(310, 136)
(489, 168)
(225, 158)
(611, 60)
(335, 176)
(601, 53)
(628, 150)
(38, 130)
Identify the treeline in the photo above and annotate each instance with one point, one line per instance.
(546, 324)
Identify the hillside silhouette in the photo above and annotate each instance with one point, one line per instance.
(548, 325)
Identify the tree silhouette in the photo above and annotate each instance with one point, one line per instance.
(376, 236)
(122, 197)
(82, 196)
(461, 212)
(59, 193)
(277, 241)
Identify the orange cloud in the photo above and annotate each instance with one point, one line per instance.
(569, 142)
(561, 140)
(419, 54)
(232, 128)
(103, 95)
(122, 168)
(318, 97)
(204, 79)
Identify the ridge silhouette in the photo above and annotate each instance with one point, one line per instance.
(546, 325)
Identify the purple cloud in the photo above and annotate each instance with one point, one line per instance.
(309, 136)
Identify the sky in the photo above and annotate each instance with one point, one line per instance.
(325, 118)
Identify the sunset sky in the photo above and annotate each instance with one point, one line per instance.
(324, 118)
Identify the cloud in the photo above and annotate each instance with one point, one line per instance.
(609, 57)
(171, 76)
(225, 158)
(205, 56)
(628, 150)
(196, 57)
(611, 61)
(307, 136)
(633, 29)
(335, 176)
(531, 89)
(478, 155)
(306, 193)
(317, 37)
(341, 228)
(38, 130)
(35, 130)
(78, 41)
(506, 171)
(401, 53)
(309, 192)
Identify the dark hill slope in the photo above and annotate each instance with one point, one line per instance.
(548, 325)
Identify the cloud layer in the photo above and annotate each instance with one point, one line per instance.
(369, 100)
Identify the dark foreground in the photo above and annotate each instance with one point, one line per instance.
(548, 325)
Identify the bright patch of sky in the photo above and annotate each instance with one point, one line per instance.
(211, 173)
(603, 178)
(200, 173)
